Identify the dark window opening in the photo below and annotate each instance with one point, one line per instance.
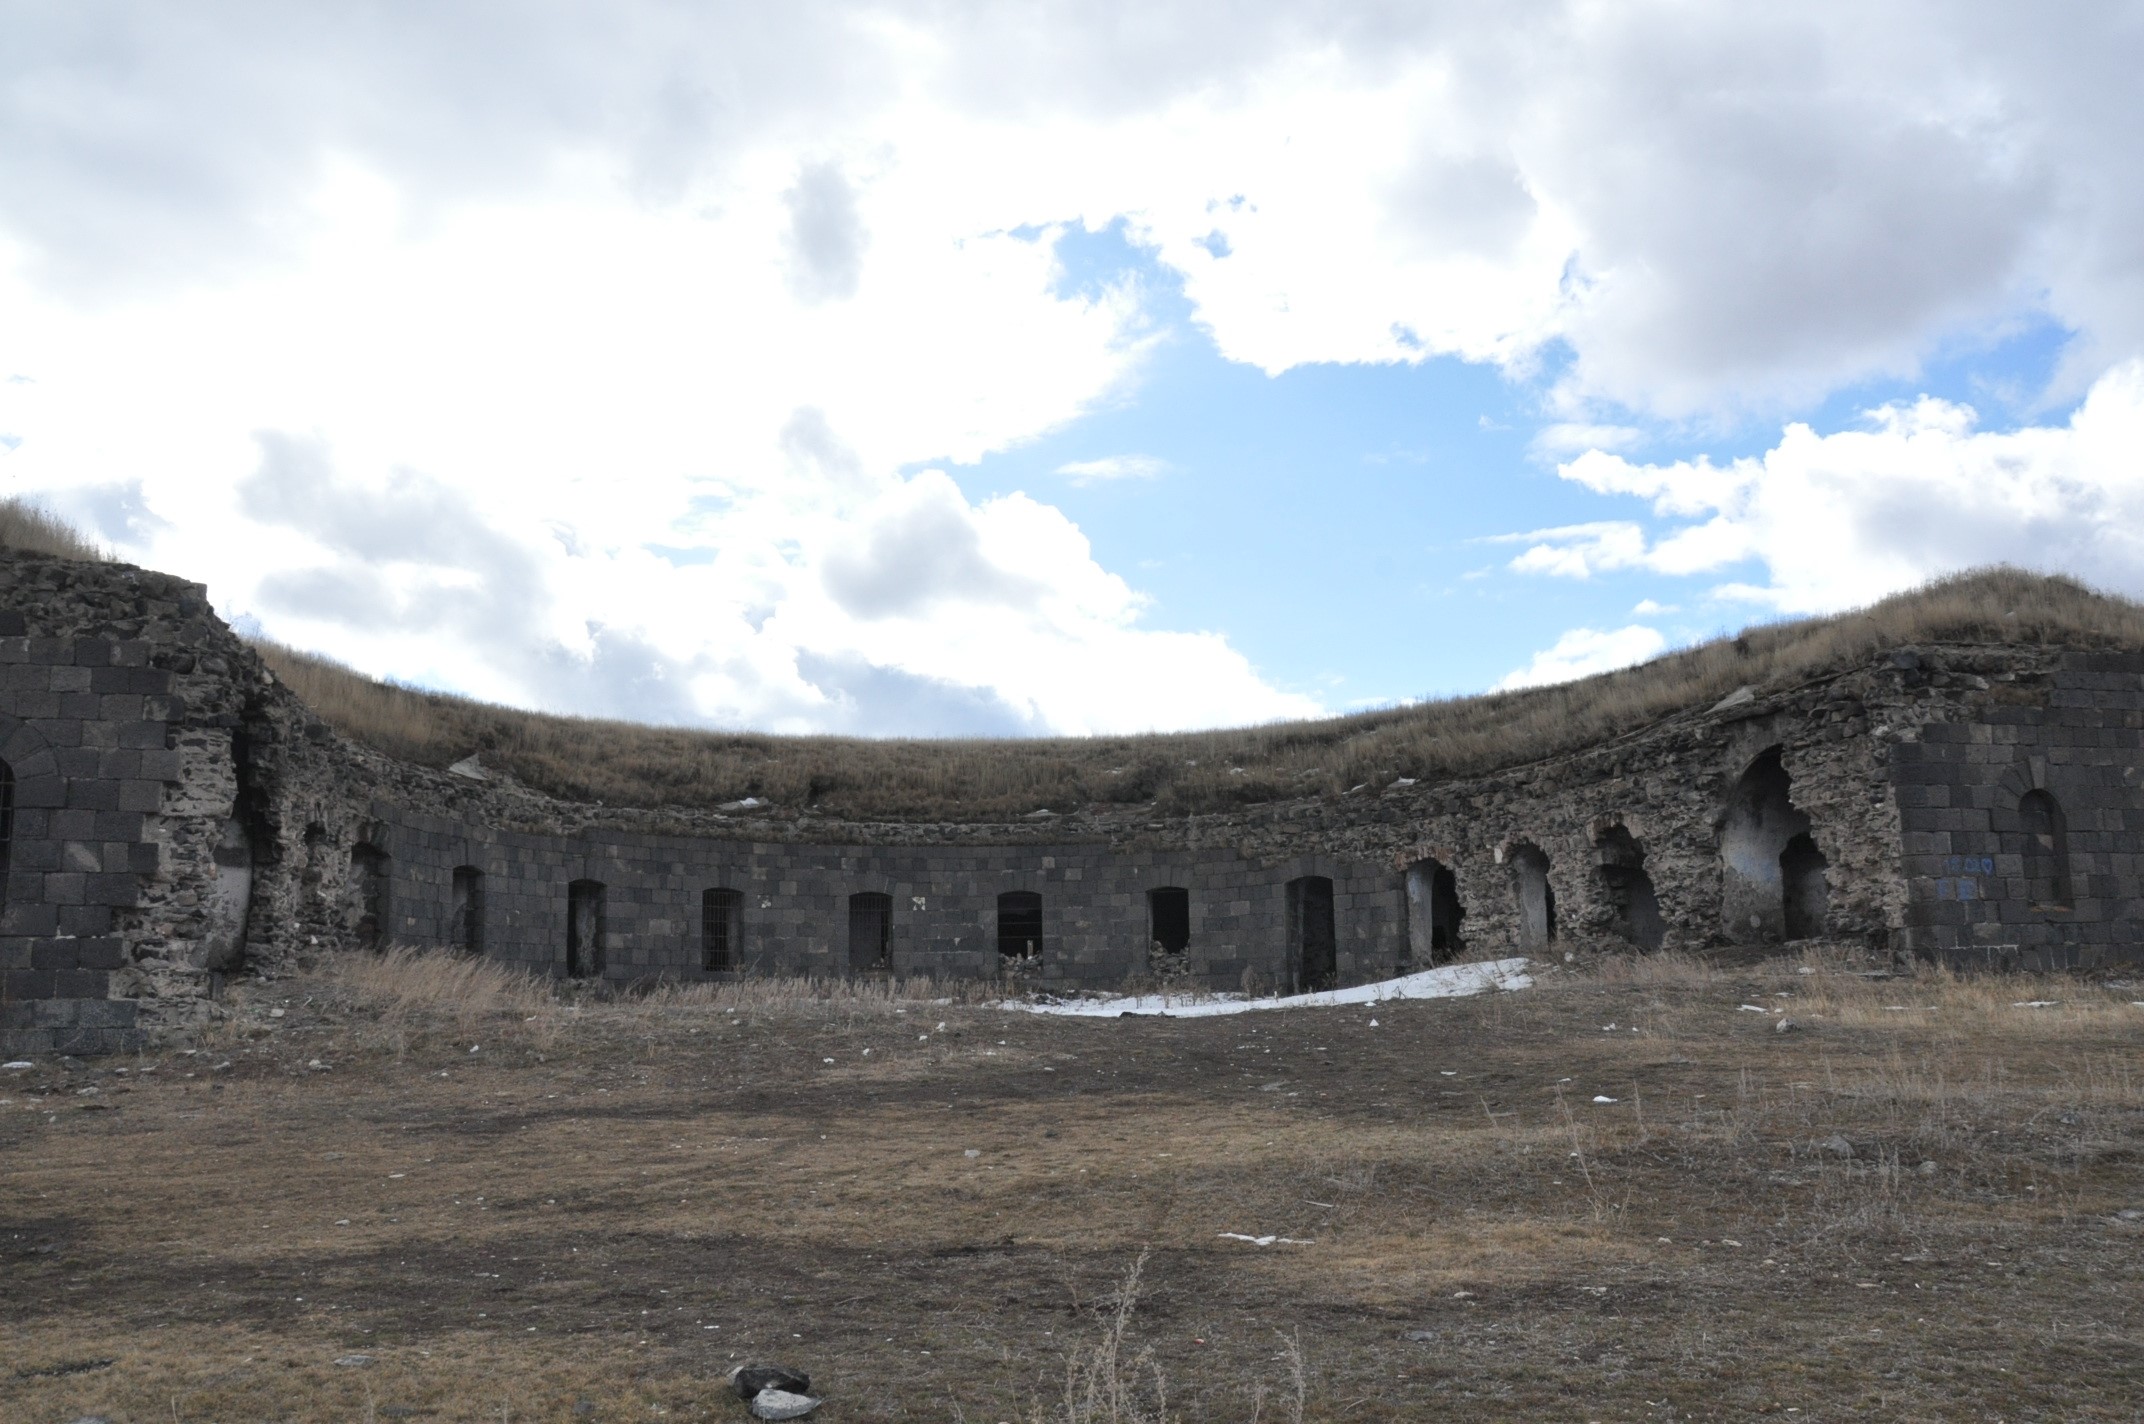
(1312, 944)
(1634, 908)
(1806, 890)
(2047, 851)
(1433, 912)
(1020, 924)
(7, 825)
(721, 929)
(1756, 829)
(870, 931)
(465, 919)
(372, 874)
(1168, 919)
(584, 929)
(1536, 897)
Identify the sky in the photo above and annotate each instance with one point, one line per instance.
(946, 368)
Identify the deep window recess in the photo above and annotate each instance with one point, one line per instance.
(372, 871)
(584, 929)
(2047, 851)
(1168, 918)
(465, 922)
(1536, 897)
(721, 929)
(870, 930)
(1020, 924)
(1313, 947)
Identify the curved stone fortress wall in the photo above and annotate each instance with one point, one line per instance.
(173, 815)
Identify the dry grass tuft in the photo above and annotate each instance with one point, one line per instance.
(623, 763)
(409, 995)
(36, 530)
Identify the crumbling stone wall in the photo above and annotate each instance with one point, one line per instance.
(178, 815)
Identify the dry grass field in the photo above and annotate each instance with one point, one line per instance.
(417, 1188)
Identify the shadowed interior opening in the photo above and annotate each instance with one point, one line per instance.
(1020, 924)
(1168, 918)
(1433, 912)
(465, 920)
(721, 929)
(870, 930)
(371, 876)
(1313, 947)
(584, 929)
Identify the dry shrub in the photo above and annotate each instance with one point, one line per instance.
(36, 530)
(1109, 1381)
(623, 763)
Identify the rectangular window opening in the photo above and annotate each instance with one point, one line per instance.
(721, 929)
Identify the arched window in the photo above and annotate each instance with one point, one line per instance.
(1433, 912)
(584, 929)
(2046, 851)
(721, 929)
(1312, 945)
(1020, 924)
(465, 913)
(1536, 897)
(870, 931)
(1168, 919)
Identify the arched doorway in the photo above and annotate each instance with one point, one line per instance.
(1433, 912)
(1536, 897)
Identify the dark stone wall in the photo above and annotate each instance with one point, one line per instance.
(2073, 729)
(795, 913)
(84, 733)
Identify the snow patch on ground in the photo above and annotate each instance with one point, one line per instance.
(1452, 981)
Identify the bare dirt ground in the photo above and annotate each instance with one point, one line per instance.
(1618, 1195)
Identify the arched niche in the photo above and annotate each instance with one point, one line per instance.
(1772, 875)
(1627, 887)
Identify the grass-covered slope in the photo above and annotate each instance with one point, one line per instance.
(624, 763)
(629, 764)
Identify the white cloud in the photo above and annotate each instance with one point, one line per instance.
(1841, 519)
(651, 304)
(1583, 652)
(1113, 467)
(1648, 608)
(1572, 437)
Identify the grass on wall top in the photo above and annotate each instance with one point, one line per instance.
(623, 763)
(630, 764)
